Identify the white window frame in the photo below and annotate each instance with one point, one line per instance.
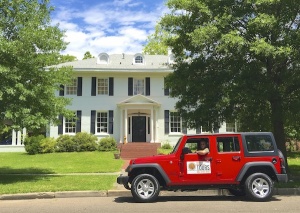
(70, 125)
(102, 89)
(71, 89)
(139, 86)
(101, 123)
(175, 122)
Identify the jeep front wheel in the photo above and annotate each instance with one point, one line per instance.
(145, 188)
(259, 187)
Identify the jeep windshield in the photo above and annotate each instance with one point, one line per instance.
(176, 146)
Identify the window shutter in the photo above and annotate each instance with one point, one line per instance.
(167, 115)
(130, 86)
(78, 121)
(111, 87)
(93, 121)
(60, 125)
(198, 130)
(62, 90)
(111, 122)
(167, 91)
(93, 91)
(147, 86)
(79, 86)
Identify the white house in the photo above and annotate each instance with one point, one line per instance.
(123, 96)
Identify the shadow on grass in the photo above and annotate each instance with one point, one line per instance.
(9, 175)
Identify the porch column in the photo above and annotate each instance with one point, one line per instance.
(24, 135)
(121, 126)
(126, 125)
(151, 124)
(14, 138)
(156, 125)
(19, 138)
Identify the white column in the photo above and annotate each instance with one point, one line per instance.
(19, 137)
(121, 126)
(14, 137)
(151, 123)
(24, 135)
(126, 125)
(156, 125)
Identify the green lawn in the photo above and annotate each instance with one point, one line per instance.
(23, 173)
(30, 172)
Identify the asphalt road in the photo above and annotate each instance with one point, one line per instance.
(165, 204)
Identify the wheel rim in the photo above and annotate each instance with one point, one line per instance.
(260, 187)
(145, 188)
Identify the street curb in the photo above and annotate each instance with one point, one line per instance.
(127, 193)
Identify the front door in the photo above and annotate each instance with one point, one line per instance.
(138, 128)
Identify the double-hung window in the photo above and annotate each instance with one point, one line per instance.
(102, 122)
(102, 86)
(175, 122)
(71, 89)
(138, 86)
(70, 124)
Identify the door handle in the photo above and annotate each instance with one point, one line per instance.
(236, 158)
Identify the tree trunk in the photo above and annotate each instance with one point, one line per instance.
(278, 126)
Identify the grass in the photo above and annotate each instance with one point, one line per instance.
(23, 173)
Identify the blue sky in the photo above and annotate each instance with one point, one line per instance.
(111, 26)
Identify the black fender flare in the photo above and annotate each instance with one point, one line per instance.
(133, 167)
(247, 166)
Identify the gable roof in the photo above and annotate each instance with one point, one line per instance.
(138, 100)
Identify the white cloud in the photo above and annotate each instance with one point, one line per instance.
(121, 26)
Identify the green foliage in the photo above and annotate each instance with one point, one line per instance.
(87, 55)
(47, 145)
(166, 145)
(65, 143)
(33, 144)
(85, 141)
(29, 43)
(67, 58)
(239, 61)
(107, 144)
(156, 42)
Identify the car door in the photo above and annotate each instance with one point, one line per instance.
(229, 158)
(196, 169)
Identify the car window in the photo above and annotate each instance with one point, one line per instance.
(194, 143)
(256, 143)
(228, 144)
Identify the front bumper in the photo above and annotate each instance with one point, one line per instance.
(123, 180)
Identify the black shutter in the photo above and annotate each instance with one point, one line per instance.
(78, 121)
(111, 122)
(93, 91)
(111, 87)
(147, 86)
(62, 90)
(130, 86)
(167, 91)
(93, 121)
(198, 130)
(79, 86)
(60, 125)
(167, 115)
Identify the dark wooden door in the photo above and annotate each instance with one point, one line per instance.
(138, 128)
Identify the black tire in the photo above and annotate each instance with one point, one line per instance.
(145, 188)
(237, 192)
(259, 187)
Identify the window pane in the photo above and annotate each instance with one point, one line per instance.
(175, 122)
(139, 60)
(71, 89)
(102, 118)
(138, 86)
(102, 86)
(70, 124)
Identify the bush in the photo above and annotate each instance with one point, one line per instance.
(85, 142)
(33, 144)
(65, 143)
(47, 145)
(107, 144)
(166, 146)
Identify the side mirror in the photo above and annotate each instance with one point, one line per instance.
(185, 151)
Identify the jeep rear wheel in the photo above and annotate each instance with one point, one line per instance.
(259, 187)
(145, 188)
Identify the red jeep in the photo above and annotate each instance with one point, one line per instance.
(244, 163)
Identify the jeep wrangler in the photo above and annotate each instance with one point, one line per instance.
(244, 163)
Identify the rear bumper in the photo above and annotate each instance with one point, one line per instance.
(282, 178)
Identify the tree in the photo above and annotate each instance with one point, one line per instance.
(28, 44)
(239, 61)
(156, 42)
(67, 58)
(87, 55)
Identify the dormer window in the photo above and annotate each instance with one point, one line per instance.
(138, 59)
(103, 58)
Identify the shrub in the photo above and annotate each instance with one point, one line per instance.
(107, 144)
(65, 143)
(166, 146)
(33, 144)
(85, 141)
(47, 145)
